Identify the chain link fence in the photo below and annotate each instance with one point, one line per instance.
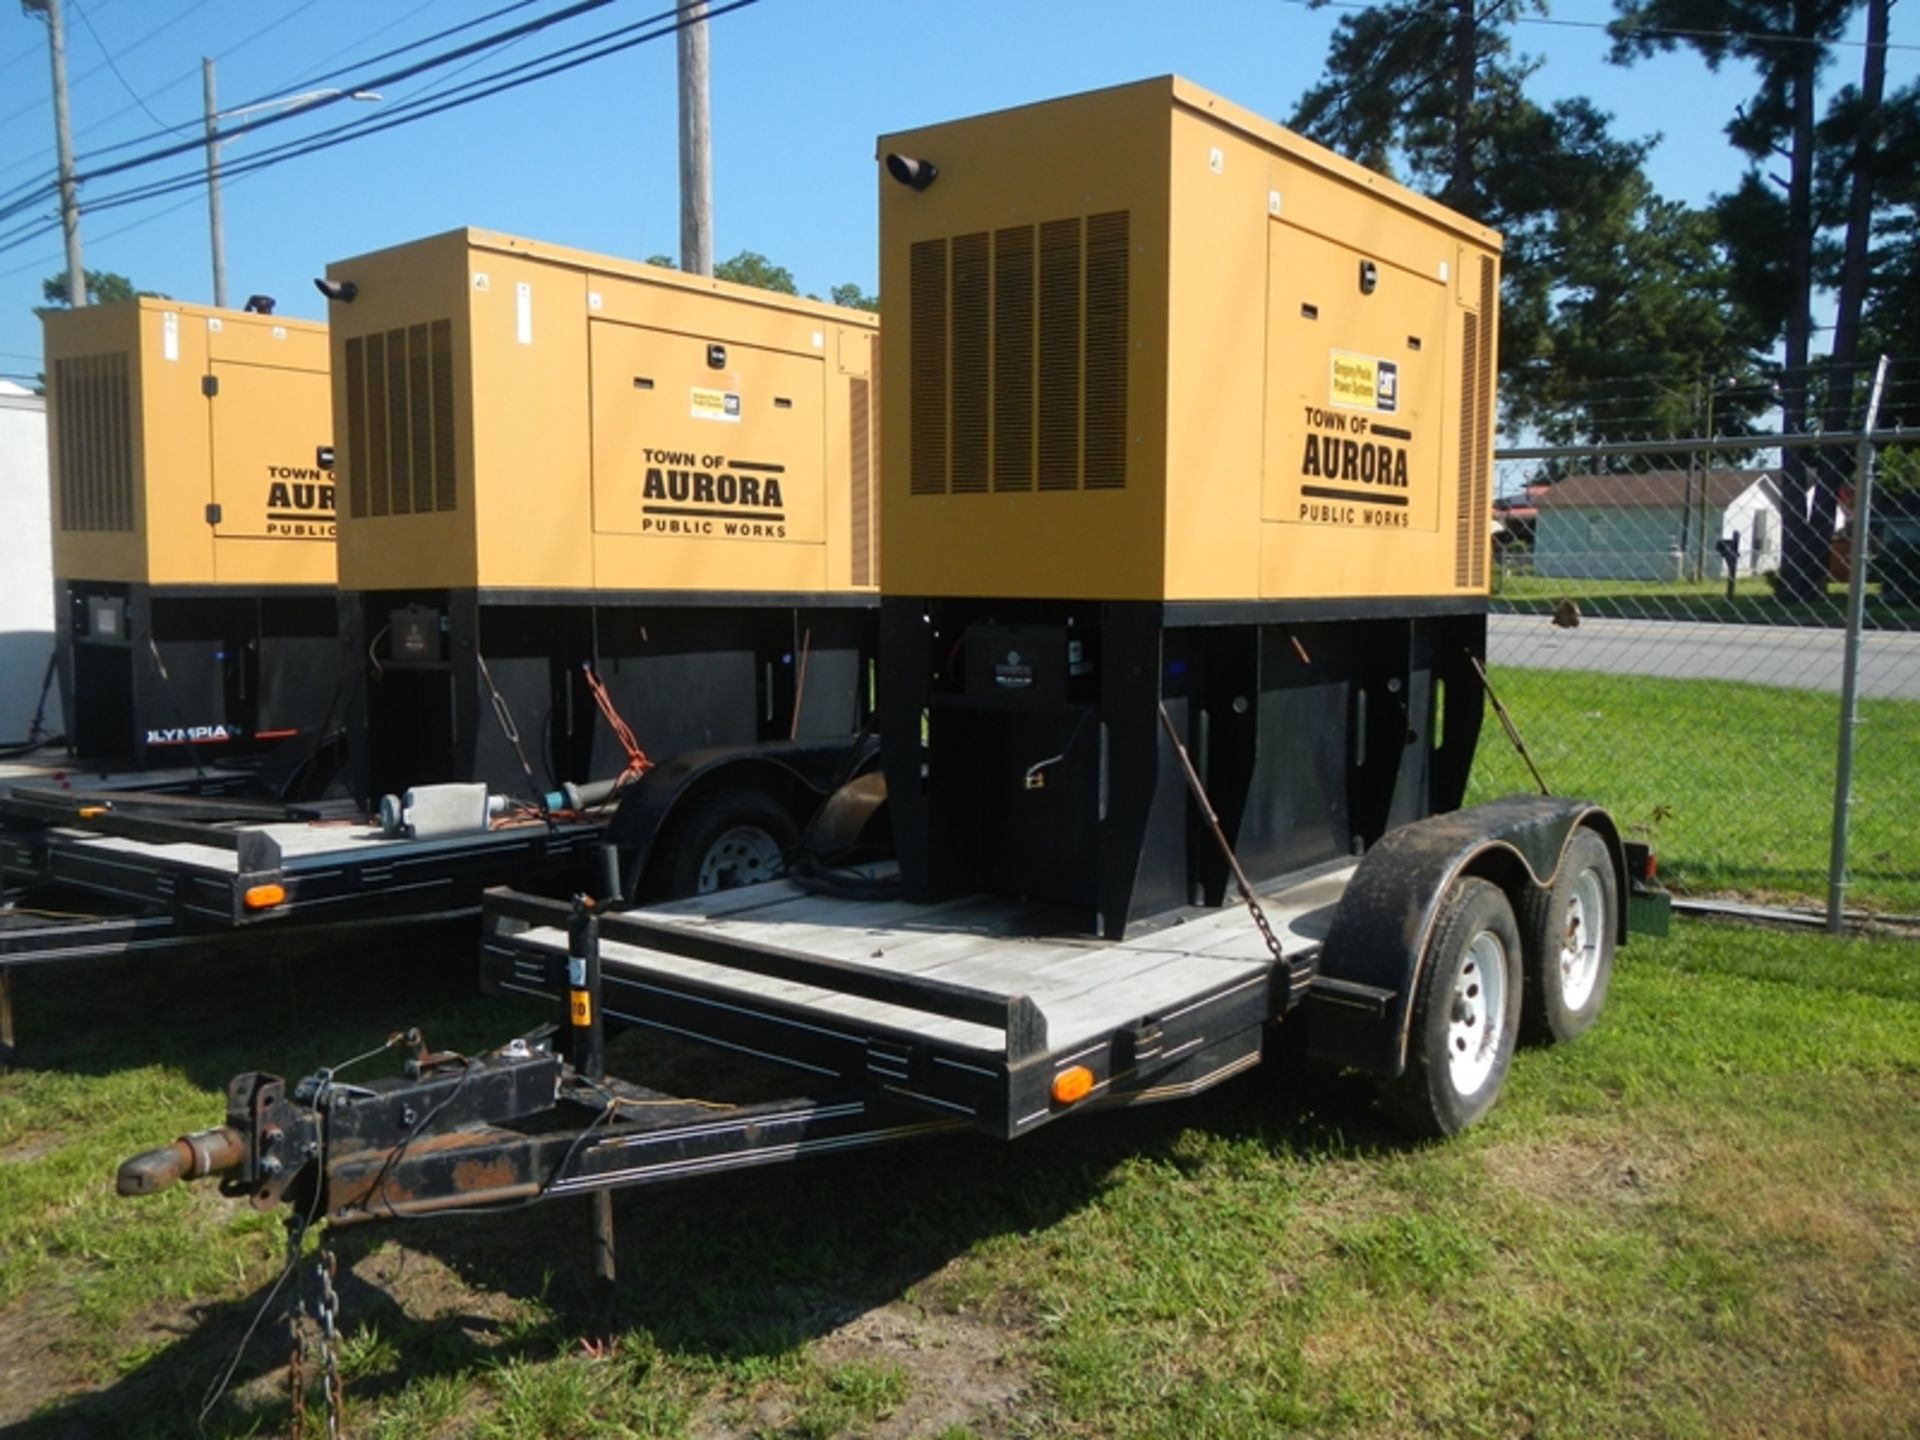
(1671, 633)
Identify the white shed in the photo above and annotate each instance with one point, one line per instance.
(1656, 526)
(26, 580)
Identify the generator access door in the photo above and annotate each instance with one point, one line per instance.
(1356, 356)
(698, 440)
(270, 414)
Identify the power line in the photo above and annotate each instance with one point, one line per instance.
(579, 7)
(180, 79)
(655, 27)
(324, 76)
(1620, 31)
(161, 28)
(610, 43)
(107, 55)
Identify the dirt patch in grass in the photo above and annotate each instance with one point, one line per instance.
(957, 1369)
(32, 1367)
(1592, 1169)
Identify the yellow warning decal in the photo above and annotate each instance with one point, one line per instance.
(1363, 382)
(581, 1008)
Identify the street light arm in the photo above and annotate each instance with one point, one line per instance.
(295, 102)
(213, 119)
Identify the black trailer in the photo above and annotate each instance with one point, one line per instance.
(108, 868)
(1422, 962)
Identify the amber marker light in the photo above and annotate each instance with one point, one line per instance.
(264, 897)
(1071, 1084)
(93, 812)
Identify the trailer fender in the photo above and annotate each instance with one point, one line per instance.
(1361, 1000)
(799, 774)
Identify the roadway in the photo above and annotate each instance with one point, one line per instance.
(1790, 656)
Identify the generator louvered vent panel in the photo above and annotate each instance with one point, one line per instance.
(1013, 359)
(440, 344)
(970, 373)
(400, 445)
(928, 368)
(1465, 524)
(1105, 455)
(95, 404)
(860, 487)
(1019, 358)
(1060, 355)
(1483, 426)
(356, 383)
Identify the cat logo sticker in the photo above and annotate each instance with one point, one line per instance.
(1363, 382)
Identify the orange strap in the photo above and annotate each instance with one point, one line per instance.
(637, 762)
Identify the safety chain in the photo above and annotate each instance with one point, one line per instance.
(1260, 924)
(328, 1306)
(1267, 936)
(326, 1317)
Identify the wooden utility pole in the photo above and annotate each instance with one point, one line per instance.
(213, 187)
(63, 139)
(696, 144)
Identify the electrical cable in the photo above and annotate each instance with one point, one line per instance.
(662, 24)
(413, 111)
(107, 55)
(86, 75)
(579, 7)
(1617, 29)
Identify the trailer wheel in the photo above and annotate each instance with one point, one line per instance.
(1569, 933)
(1466, 1014)
(733, 838)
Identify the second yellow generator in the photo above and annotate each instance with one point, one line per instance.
(560, 468)
(193, 528)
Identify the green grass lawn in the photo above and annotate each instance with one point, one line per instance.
(1732, 782)
(1701, 1220)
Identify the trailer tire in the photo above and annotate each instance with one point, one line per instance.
(1569, 933)
(1466, 1014)
(730, 838)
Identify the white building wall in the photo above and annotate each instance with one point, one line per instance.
(26, 579)
(1756, 519)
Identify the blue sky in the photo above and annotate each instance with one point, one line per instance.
(800, 89)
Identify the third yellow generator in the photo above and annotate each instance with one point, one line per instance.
(193, 520)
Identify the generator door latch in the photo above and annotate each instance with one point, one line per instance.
(716, 357)
(1369, 277)
(323, 456)
(209, 385)
(213, 513)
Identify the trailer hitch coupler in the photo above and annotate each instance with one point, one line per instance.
(205, 1152)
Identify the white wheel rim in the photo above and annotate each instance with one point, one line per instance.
(744, 855)
(1581, 943)
(1477, 1013)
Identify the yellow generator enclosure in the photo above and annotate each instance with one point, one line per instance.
(1146, 345)
(519, 417)
(189, 446)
